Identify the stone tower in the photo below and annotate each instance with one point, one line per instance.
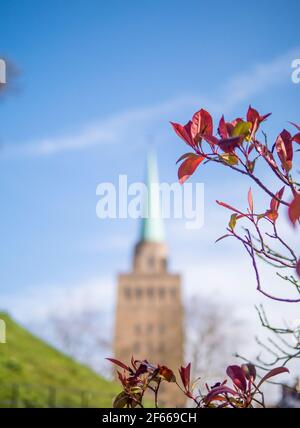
(149, 314)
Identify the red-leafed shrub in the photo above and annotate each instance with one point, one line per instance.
(141, 376)
(237, 145)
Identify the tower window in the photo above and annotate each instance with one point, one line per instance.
(149, 328)
(150, 292)
(173, 292)
(151, 262)
(139, 293)
(127, 293)
(162, 292)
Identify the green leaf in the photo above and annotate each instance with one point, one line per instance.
(232, 221)
(121, 400)
(230, 158)
(260, 216)
(241, 128)
(186, 155)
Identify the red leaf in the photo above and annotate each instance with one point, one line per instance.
(271, 373)
(222, 129)
(183, 132)
(134, 362)
(215, 392)
(228, 145)
(223, 204)
(211, 140)
(119, 363)
(266, 154)
(274, 203)
(255, 118)
(249, 370)
(237, 376)
(252, 115)
(202, 124)
(295, 125)
(296, 138)
(185, 374)
(121, 378)
(272, 213)
(250, 201)
(188, 167)
(294, 209)
(264, 117)
(186, 155)
(284, 148)
(251, 147)
(166, 374)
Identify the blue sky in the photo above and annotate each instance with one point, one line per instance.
(98, 80)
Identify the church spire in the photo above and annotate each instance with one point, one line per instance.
(152, 225)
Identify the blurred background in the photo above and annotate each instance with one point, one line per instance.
(89, 85)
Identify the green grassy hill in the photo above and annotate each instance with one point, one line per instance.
(33, 374)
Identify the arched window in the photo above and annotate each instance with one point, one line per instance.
(138, 293)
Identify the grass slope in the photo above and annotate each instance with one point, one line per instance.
(33, 374)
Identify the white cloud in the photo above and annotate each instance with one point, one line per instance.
(263, 76)
(110, 130)
(38, 303)
(120, 126)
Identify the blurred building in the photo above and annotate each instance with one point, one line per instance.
(290, 396)
(149, 313)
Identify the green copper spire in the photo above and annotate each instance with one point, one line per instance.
(152, 225)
